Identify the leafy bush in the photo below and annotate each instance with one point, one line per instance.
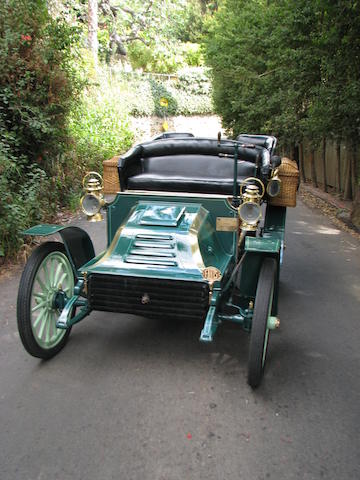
(157, 58)
(188, 94)
(38, 87)
(21, 203)
(99, 128)
(192, 54)
(169, 58)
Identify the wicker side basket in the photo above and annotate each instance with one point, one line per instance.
(289, 175)
(111, 176)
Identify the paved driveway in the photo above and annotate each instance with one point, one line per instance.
(130, 398)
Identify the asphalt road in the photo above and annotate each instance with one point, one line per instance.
(136, 399)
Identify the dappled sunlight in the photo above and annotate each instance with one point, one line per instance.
(349, 247)
(356, 290)
(304, 293)
(311, 230)
(327, 230)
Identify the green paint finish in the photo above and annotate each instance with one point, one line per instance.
(212, 321)
(262, 245)
(250, 273)
(178, 249)
(118, 212)
(54, 275)
(210, 326)
(43, 230)
(162, 215)
(274, 226)
(66, 319)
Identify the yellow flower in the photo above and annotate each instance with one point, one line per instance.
(164, 102)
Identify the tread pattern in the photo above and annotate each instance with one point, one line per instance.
(263, 299)
(24, 300)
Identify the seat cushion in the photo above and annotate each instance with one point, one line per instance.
(153, 182)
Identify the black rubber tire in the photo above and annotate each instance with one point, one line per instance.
(24, 300)
(263, 302)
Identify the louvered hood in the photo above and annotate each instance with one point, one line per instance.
(163, 240)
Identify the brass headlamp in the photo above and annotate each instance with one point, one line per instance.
(251, 191)
(273, 187)
(93, 199)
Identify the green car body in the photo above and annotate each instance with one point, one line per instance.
(176, 255)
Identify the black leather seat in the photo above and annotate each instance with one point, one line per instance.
(189, 173)
(186, 165)
(266, 141)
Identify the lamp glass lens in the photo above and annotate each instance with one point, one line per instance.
(273, 188)
(90, 204)
(250, 212)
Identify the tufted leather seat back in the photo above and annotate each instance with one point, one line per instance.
(186, 165)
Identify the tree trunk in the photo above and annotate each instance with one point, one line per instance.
(324, 163)
(355, 213)
(353, 169)
(301, 162)
(347, 184)
(338, 166)
(93, 29)
(292, 151)
(313, 168)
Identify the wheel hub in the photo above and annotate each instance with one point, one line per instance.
(58, 299)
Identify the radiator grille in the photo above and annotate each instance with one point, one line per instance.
(153, 250)
(148, 296)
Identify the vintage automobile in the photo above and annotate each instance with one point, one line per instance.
(195, 231)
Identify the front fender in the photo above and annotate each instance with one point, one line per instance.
(78, 244)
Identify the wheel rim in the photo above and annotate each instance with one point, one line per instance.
(54, 275)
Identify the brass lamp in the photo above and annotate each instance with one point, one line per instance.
(93, 199)
(251, 191)
(273, 187)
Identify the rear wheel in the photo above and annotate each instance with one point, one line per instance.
(259, 337)
(46, 283)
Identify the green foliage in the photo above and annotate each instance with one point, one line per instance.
(38, 87)
(157, 58)
(290, 68)
(21, 203)
(188, 24)
(192, 54)
(99, 128)
(188, 94)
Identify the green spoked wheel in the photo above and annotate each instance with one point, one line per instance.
(46, 284)
(259, 338)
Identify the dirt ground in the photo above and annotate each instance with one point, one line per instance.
(334, 212)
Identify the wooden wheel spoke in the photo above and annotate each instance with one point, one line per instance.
(43, 324)
(46, 269)
(39, 296)
(39, 305)
(48, 325)
(62, 278)
(52, 263)
(38, 318)
(57, 274)
(46, 275)
(40, 282)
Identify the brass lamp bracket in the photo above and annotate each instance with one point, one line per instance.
(252, 190)
(93, 199)
(93, 182)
